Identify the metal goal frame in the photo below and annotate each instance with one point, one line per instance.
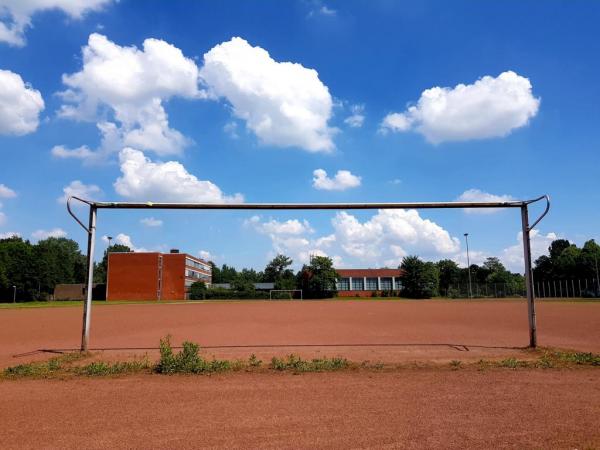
(94, 206)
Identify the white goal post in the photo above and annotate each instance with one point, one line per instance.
(285, 290)
(522, 205)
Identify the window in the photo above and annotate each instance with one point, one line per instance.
(357, 284)
(386, 284)
(343, 284)
(198, 265)
(371, 284)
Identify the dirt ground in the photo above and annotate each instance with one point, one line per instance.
(432, 407)
(500, 408)
(386, 331)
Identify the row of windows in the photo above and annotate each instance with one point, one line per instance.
(198, 265)
(358, 284)
(199, 275)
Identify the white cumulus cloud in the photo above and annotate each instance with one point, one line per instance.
(20, 105)
(151, 222)
(144, 180)
(343, 179)
(476, 195)
(391, 234)
(512, 256)
(291, 237)
(124, 239)
(45, 234)
(382, 240)
(9, 234)
(285, 104)
(206, 255)
(287, 227)
(6, 192)
(78, 189)
(490, 107)
(15, 15)
(131, 85)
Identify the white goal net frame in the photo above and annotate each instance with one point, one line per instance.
(94, 206)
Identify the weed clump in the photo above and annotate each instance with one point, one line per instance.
(455, 364)
(187, 360)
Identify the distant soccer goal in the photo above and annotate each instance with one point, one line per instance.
(284, 294)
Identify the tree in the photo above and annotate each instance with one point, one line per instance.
(449, 274)
(589, 259)
(197, 290)
(543, 268)
(18, 269)
(567, 262)
(36, 269)
(241, 284)
(58, 260)
(278, 272)
(556, 248)
(419, 279)
(227, 274)
(318, 278)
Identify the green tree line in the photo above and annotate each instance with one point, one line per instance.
(34, 269)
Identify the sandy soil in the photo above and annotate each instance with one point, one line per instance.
(387, 331)
(423, 408)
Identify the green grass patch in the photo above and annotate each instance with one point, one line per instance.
(101, 368)
(43, 369)
(189, 361)
(296, 364)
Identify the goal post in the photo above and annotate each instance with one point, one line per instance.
(94, 206)
(285, 290)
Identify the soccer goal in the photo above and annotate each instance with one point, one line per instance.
(94, 206)
(284, 294)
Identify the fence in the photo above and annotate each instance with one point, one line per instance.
(561, 288)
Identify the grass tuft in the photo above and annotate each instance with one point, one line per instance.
(101, 368)
(43, 369)
(295, 363)
(455, 364)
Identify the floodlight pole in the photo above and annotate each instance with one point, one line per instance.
(87, 306)
(528, 276)
(468, 265)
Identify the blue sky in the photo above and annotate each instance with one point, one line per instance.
(266, 101)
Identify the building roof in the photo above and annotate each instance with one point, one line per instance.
(369, 273)
(186, 255)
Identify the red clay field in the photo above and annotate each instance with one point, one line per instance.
(426, 407)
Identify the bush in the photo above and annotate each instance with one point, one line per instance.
(230, 294)
(198, 290)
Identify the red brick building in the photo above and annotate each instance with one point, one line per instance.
(154, 276)
(363, 282)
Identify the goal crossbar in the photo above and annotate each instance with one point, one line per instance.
(94, 206)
